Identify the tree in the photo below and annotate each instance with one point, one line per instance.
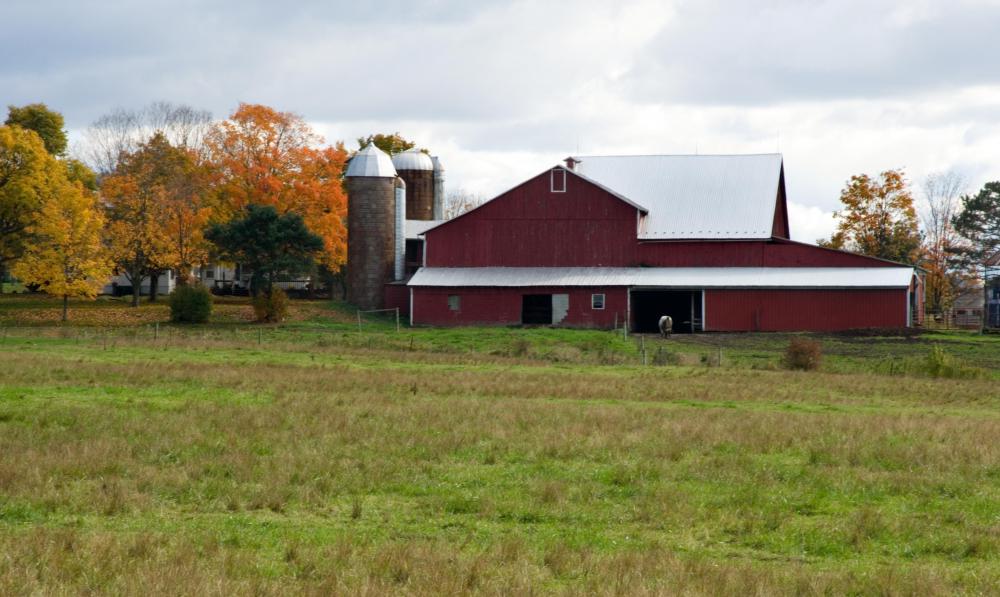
(267, 242)
(47, 123)
(67, 257)
(878, 218)
(942, 193)
(460, 201)
(978, 225)
(391, 143)
(121, 132)
(29, 176)
(265, 157)
(135, 210)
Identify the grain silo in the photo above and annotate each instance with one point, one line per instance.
(371, 226)
(417, 171)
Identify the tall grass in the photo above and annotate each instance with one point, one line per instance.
(216, 465)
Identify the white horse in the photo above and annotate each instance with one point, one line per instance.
(666, 326)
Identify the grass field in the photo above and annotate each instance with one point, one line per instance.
(313, 458)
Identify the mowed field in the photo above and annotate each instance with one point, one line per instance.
(314, 458)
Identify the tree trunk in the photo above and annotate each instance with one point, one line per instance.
(65, 306)
(154, 283)
(3, 270)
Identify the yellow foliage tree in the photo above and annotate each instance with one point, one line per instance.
(67, 257)
(136, 237)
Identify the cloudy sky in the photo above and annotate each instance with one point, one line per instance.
(503, 90)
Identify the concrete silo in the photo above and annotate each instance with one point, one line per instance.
(417, 171)
(371, 226)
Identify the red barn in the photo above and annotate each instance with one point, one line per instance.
(613, 239)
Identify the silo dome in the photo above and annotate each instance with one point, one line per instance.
(412, 159)
(371, 162)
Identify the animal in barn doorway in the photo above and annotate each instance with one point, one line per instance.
(666, 326)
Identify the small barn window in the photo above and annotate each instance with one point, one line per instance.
(597, 301)
(454, 302)
(210, 273)
(558, 180)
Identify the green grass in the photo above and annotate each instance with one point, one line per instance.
(313, 458)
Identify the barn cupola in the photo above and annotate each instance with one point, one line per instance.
(373, 198)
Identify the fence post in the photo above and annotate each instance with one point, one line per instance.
(359, 320)
(260, 334)
(156, 331)
(397, 320)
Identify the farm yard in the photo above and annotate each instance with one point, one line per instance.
(311, 457)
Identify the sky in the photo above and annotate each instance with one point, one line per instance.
(504, 90)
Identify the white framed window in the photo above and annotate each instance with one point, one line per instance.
(454, 302)
(597, 302)
(558, 180)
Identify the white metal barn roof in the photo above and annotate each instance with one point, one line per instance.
(412, 159)
(694, 196)
(677, 277)
(414, 228)
(372, 162)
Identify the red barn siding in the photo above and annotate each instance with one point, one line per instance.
(794, 310)
(502, 306)
(397, 295)
(532, 226)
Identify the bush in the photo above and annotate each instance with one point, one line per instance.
(271, 308)
(190, 304)
(803, 354)
(940, 364)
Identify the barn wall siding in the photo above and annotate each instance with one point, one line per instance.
(397, 296)
(502, 306)
(803, 310)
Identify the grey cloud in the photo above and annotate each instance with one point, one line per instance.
(752, 53)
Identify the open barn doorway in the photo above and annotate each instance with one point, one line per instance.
(683, 306)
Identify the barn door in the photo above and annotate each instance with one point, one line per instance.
(536, 309)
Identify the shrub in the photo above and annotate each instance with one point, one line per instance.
(271, 307)
(190, 304)
(803, 354)
(940, 364)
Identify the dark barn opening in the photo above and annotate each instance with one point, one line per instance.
(536, 309)
(684, 306)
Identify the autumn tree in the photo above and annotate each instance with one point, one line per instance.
(29, 176)
(942, 192)
(135, 209)
(48, 124)
(265, 157)
(391, 143)
(67, 257)
(269, 243)
(878, 218)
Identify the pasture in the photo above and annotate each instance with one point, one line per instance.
(313, 458)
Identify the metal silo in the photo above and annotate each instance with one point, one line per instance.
(438, 188)
(371, 226)
(400, 225)
(417, 171)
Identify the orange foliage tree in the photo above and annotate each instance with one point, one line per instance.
(878, 219)
(261, 156)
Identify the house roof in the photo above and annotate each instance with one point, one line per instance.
(678, 277)
(694, 196)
